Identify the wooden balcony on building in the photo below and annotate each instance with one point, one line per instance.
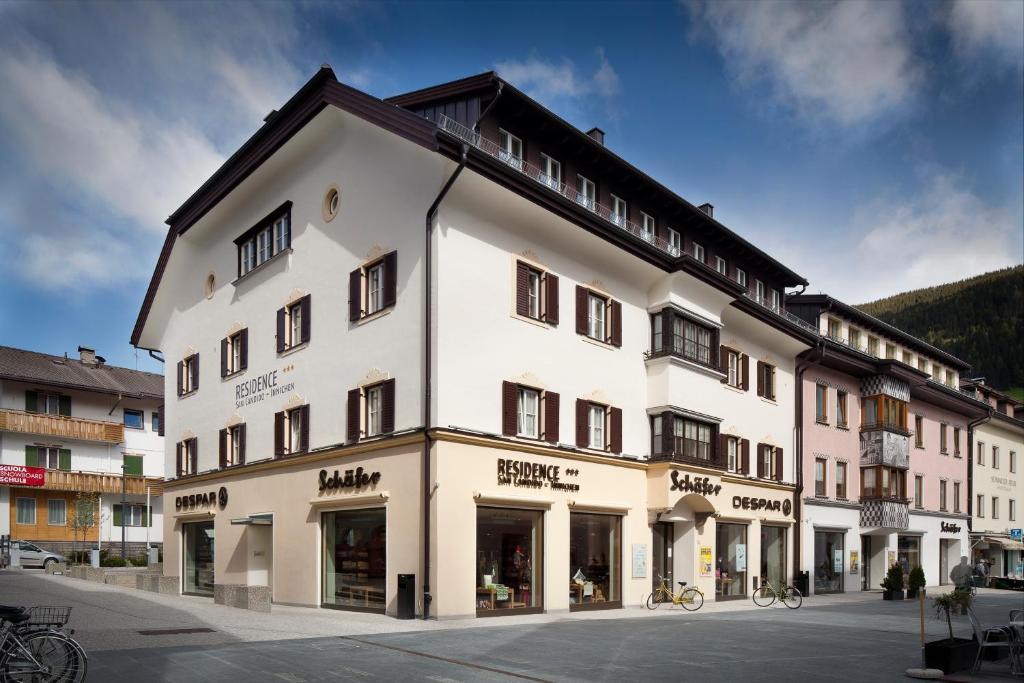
(99, 482)
(61, 426)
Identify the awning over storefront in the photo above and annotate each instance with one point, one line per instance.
(1003, 542)
(266, 519)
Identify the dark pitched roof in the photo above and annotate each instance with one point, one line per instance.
(71, 373)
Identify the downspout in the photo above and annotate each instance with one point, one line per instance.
(818, 351)
(428, 488)
(154, 356)
(970, 467)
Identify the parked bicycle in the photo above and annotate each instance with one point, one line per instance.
(691, 599)
(766, 594)
(35, 646)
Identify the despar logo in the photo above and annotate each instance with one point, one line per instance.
(222, 496)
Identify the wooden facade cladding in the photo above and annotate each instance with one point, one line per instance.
(61, 426)
(42, 530)
(97, 482)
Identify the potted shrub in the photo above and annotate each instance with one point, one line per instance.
(893, 583)
(915, 582)
(951, 654)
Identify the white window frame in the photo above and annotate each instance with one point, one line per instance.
(374, 410)
(721, 266)
(776, 302)
(234, 353)
(918, 491)
(234, 453)
(186, 371)
(293, 430)
(510, 149)
(732, 448)
(283, 233)
(853, 334)
(741, 277)
(873, 346)
(294, 328)
(698, 252)
(48, 457)
(956, 496)
(552, 172)
(1013, 510)
(769, 462)
(981, 454)
(19, 507)
(845, 469)
(981, 506)
(733, 361)
(759, 292)
(1013, 462)
(527, 422)
(597, 318)
(63, 512)
(675, 242)
(586, 192)
(264, 245)
(248, 255)
(533, 293)
(136, 517)
(943, 497)
(648, 225)
(186, 458)
(375, 288)
(995, 507)
(597, 416)
(620, 211)
(995, 457)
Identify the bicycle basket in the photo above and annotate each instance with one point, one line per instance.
(48, 616)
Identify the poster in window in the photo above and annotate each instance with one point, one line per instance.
(837, 560)
(705, 560)
(639, 561)
(741, 557)
(892, 558)
(854, 562)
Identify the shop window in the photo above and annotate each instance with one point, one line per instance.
(355, 560)
(731, 567)
(773, 555)
(908, 552)
(595, 552)
(509, 548)
(197, 560)
(828, 562)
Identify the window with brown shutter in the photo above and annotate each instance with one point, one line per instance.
(291, 431)
(352, 415)
(355, 295)
(234, 350)
(388, 418)
(745, 455)
(524, 412)
(294, 323)
(615, 425)
(598, 316)
(616, 324)
(278, 434)
(193, 454)
(551, 408)
(760, 460)
(178, 470)
(378, 409)
(582, 423)
(188, 375)
(160, 420)
(282, 341)
(777, 461)
(525, 303)
(222, 443)
(551, 298)
(745, 372)
(582, 316)
(373, 287)
(760, 378)
(509, 395)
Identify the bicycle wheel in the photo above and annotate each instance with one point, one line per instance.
(764, 596)
(55, 658)
(692, 599)
(792, 598)
(655, 599)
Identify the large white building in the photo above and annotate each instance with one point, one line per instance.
(449, 335)
(71, 426)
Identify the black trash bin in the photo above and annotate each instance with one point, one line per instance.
(406, 596)
(803, 583)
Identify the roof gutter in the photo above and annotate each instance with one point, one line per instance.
(814, 356)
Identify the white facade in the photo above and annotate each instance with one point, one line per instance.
(998, 494)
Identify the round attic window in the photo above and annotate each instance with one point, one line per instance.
(211, 284)
(332, 202)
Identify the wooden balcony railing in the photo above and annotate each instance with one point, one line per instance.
(98, 482)
(60, 426)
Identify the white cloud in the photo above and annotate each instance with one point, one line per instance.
(846, 63)
(989, 25)
(549, 81)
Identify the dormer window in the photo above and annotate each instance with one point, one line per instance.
(618, 211)
(834, 329)
(265, 240)
(854, 336)
(873, 346)
(922, 364)
(741, 277)
(776, 301)
(949, 378)
(675, 242)
(552, 176)
(720, 265)
(648, 226)
(586, 192)
(698, 252)
(511, 151)
(760, 292)
(890, 351)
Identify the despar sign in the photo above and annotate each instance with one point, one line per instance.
(749, 503)
(201, 500)
(352, 479)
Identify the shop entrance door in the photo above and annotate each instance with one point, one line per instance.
(865, 562)
(197, 560)
(261, 556)
(661, 554)
(944, 545)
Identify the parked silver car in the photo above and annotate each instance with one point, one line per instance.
(34, 556)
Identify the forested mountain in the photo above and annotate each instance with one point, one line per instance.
(980, 319)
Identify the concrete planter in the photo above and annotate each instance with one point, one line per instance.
(892, 595)
(256, 598)
(950, 656)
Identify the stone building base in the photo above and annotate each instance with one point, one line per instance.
(256, 598)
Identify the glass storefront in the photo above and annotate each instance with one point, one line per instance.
(908, 553)
(509, 567)
(595, 550)
(355, 560)
(828, 562)
(731, 568)
(661, 554)
(773, 555)
(198, 558)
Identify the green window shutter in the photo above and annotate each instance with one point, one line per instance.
(31, 402)
(31, 456)
(117, 515)
(133, 465)
(64, 407)
(65, 459)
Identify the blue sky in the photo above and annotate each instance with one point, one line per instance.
(872, 146)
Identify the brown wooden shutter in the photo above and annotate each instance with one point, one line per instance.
(223, 448)
(281, 341)
(778, 464)
(722, 457)
(582, 424)
(181, 375)
(307, 318)
(509, 398)
(551, 407)
(160, 417)
(616, 336)
(224, 357)
(551, 298)
(745, 456)
(522, 289)
(760, 378)
(723, 362)
(760, 461)
(195, 372)
(390, 278)
(581, 309)
(243, 342)
(615, 417)
(352, 428)
(278, 434)
(387, 411)
(668, 439)
(241, 444)
(304, 428)
(355, 294)
(745, 371)
(178, 448)
(195, 454)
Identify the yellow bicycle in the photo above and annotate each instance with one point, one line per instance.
(690, 598)
(766, 594)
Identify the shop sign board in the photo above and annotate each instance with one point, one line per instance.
(535, 475)
(351, 479)
(705, 560)
(1015, 534)
(202, 500)
(784, 506)
(950, 528)
(741, 557)
(20, 475)
(260, 388)
(639, 561)
(699, 485)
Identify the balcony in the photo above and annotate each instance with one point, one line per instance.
(97, 482)
(888, 447)
(891, 513)
(61, 426)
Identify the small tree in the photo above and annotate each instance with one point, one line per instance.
(894, 578)
(958, 599)
(84, 515)
(915, 581)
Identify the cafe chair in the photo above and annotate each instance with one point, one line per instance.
(998, 636)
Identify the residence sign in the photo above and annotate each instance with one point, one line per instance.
(20, 475)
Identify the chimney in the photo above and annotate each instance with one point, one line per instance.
(597, 134)
(707, 208)
(87, 355)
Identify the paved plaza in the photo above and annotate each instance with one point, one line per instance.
(855, 637)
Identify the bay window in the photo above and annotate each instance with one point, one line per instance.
(265, 240)
(672, 333)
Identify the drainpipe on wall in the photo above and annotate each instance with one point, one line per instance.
(818, 351)
(970, 467)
